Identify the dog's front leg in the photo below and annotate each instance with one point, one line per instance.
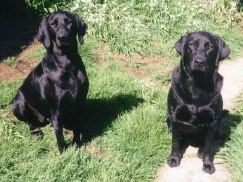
(175, 157)
(59, 133)
(208, 165)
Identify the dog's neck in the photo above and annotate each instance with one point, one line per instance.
(62, 51)
(64, 60)
(203, 81)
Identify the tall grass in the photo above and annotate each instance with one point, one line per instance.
(152, 27)
(47, 6)
(234, 146)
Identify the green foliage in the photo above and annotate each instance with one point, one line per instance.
(151, 27)
(11, 61)
(145, 27)
(48, 6)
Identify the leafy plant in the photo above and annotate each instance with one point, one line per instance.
(48, 6)
(11, 61)
(234, 146)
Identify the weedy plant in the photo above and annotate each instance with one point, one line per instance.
(11, 61)
(145, 27)
(47, 6)
(234, 146)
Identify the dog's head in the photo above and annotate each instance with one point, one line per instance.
(61, 28)
(201, 51)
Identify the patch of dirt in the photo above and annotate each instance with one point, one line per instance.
(152, 66)
(24, 64)
(190, 170)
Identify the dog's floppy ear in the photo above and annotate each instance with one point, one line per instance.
(43, 33)
(224, 49)
(82, 27)
(179, 45)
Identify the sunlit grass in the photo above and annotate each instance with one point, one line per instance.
(234, 146)
(126, 114)
(125, 120)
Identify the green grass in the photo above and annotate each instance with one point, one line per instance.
(126, 120)
(152, 27)
(11, 61)
(126, 114)
(234, 146)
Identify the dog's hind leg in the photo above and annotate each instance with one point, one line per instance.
(23, 112)
(76, 136)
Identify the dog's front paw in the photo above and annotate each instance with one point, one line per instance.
(173, 161)
(200, 153)
(209, 168)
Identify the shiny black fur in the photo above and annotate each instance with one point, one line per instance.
(195, 103)
(55, 91)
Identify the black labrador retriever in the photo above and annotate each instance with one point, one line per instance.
(195, 103)
(55, 91)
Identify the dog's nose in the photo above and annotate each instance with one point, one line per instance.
(62, 37)
(199, 62)
(62, 33)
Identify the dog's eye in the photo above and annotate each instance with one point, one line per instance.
(54, 23)
(67, 21)
(192, 44)
(209, 47)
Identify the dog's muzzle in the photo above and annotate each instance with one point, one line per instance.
(62, 36)
(199, 64)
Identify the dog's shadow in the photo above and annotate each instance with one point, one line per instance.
(226, 125)
(100, 113)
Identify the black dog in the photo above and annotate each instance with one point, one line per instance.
(195, 103)
(55, 91)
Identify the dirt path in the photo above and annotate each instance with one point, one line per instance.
(190, 169)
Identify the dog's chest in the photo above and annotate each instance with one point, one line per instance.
(191, 94)
(197, 96)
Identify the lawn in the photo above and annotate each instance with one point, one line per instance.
(128, 53)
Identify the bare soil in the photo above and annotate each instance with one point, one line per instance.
(23, 66)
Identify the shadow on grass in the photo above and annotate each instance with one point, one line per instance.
(102, 112)
(18, 27)
(227, 124)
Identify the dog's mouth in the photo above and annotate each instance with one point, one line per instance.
(63, 41)
(199, 68)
